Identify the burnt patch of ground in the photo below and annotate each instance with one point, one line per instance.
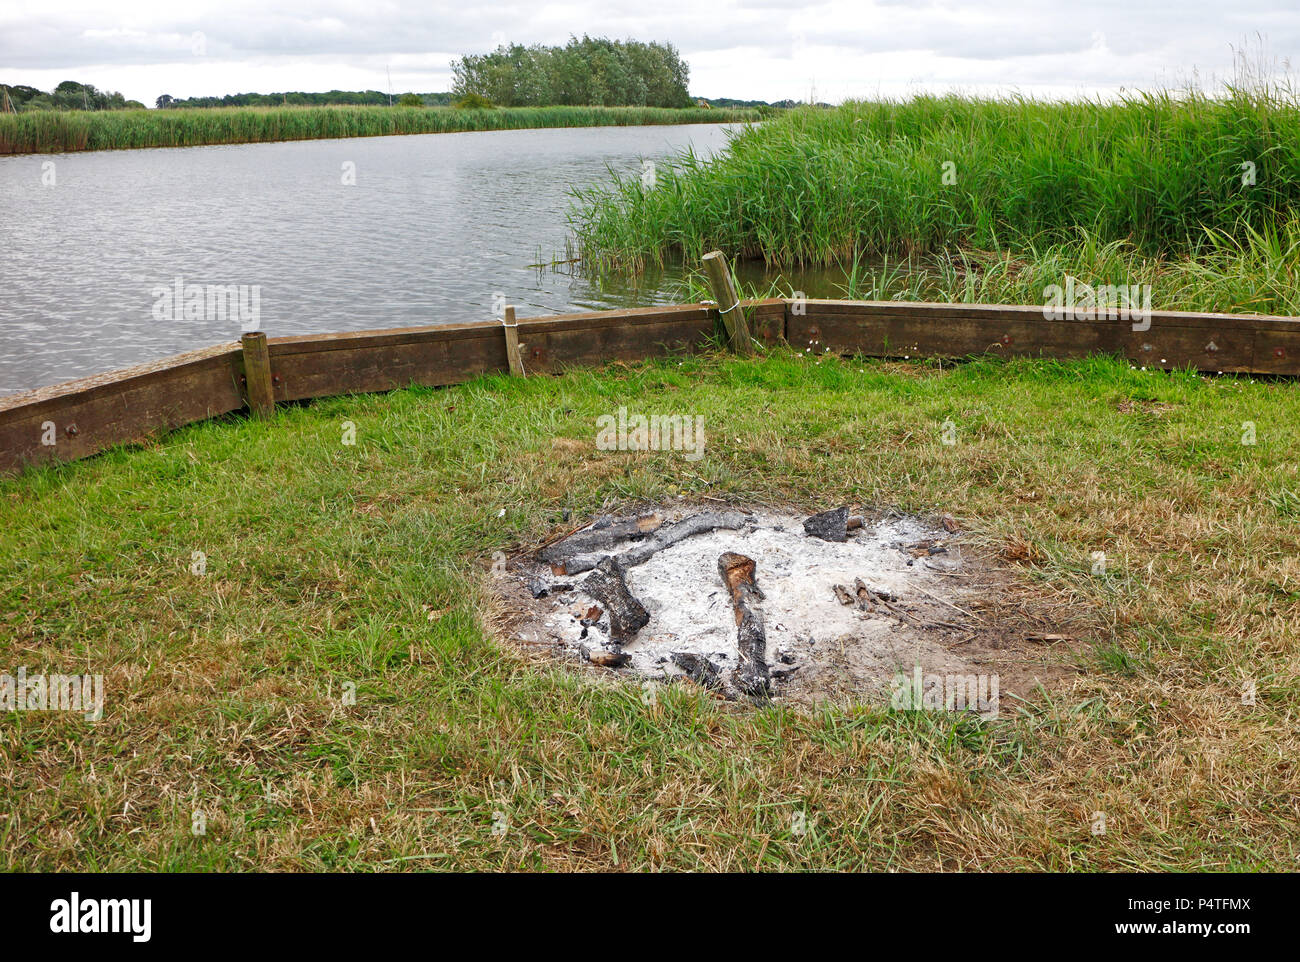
(901, 600)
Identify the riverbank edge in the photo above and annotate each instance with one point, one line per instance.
(55, 132)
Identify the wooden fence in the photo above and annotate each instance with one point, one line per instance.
(79, 418)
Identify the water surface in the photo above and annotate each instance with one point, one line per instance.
(434, 228)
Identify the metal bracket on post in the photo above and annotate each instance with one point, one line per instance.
(724, 291)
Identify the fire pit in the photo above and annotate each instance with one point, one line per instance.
(770, 604)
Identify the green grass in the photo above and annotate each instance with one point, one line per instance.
(366, 565)
(58, 131)
(865, 180)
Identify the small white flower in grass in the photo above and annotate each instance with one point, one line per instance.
(501, 513)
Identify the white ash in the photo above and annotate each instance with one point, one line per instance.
(809, 632)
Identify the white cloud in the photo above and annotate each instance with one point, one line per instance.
(764, 49)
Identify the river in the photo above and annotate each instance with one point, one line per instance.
(323, 235)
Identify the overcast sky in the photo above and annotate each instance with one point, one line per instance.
(751, 49)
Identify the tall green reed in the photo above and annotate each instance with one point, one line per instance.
(57, 131)
(817, 187)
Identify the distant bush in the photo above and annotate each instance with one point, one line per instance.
(410, 100)
(593, 71)
(474, 102)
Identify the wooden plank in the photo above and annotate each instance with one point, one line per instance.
(1229, 347)
(367, 361)
(88, 415)
(904, 334)
(432, 359)
(766, 320)
(1206, 342)
(383, 337)
(632, 317)
(550, 346)
(551, 343)
(1276, 351)
(1029, 311)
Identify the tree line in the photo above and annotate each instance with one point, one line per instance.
(299, 98)
(69, 95)
(590, 72)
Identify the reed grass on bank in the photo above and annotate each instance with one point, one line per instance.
(1257, 274)
(816, 187)
(59, 131)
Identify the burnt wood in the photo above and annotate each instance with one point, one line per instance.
(751, 675)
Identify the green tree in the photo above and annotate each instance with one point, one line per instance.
(593, 70)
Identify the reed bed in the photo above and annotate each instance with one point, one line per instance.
(1256, 273)
(1165, 173)
(60, 131)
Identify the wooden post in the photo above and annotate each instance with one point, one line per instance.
(257, 375)
(512, 343)
(724, 292)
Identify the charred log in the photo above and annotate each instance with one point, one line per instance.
(661, 538)
(602, 533)
(608, 585)
(698, 668)
(829, 525)
(751, 675)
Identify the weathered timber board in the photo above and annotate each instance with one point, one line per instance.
(1277, 351)
(90, 414)
(766, 320)
(1175, 339)
(309, 368)
(1001, 311)
(366, 361)
(553, 343)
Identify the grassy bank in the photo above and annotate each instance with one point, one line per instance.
(329, 565)
(59, 131)
(869, 179)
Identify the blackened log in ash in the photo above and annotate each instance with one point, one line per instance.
(607, 585)
(605, 658)
(698, 668)
(833, 525)
(662, 538)
(751, 675)
(602, 533)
